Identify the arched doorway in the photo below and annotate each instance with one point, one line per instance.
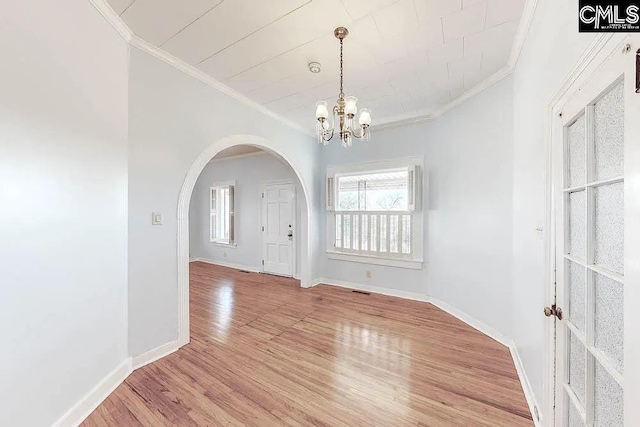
(183, 221)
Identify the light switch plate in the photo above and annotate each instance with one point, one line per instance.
(156, 218)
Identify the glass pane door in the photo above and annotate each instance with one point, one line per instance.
(592, 331)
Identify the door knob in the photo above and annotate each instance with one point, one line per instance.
(553, 311)
(290, 234)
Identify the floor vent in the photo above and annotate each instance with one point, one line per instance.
(362, 292)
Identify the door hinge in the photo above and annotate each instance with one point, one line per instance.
(262, 262)
(263, 195)
(262, 228)
(638, 71)
(553, 311)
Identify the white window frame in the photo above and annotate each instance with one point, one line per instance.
(213, 211)
(412, 261)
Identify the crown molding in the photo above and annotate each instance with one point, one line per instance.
(403, 120)
(485, 84)
(214, 83)
(521, 36)
(523, 29)
(112, 18)
(125, 32)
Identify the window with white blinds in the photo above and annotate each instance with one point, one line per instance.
(373, 212)
(221, 224)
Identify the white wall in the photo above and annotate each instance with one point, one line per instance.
(468, 155)
(63, 173)
(249, 174)
(173, 118)
(552, 47)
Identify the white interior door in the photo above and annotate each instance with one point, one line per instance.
(277, 229)
(598, 125)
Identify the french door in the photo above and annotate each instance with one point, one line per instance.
(598, 124)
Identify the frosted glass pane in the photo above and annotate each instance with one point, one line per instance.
(609, 134)
(577, 294)
(576, 153)
(609, 224)
(577, 210)
(609, 410)
(577, 367)
(609, 319)
(575, 420)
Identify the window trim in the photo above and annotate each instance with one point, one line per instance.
(217, 185)
(415, 260)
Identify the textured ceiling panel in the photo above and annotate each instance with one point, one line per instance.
(403, 58)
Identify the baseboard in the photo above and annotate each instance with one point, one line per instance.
(373, 289)
(227, 264)
(471, 321)
(526, 385)
(152, 355)
(82, 409)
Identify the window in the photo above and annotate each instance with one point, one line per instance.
(221, 224)
(375, 213)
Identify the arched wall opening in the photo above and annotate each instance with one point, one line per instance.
(184, 200)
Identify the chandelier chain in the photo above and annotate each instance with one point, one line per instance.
(341, 78)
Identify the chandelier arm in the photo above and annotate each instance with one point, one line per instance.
(327, 139)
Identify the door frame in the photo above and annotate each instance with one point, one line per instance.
(294, 221)
(603, 47)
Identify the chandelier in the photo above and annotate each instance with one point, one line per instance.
(344, 112)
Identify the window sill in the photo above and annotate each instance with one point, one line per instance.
(226, 245)
(413, 264)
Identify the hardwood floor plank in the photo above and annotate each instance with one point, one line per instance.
(265, 352)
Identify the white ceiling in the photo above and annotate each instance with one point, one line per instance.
(237, 150)
(403, 58)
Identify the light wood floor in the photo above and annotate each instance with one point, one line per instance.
(265, 352)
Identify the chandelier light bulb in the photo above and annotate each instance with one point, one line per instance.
(365, 117)
(350, 106)
(322, 112)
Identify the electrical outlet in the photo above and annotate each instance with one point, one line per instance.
(368, 274)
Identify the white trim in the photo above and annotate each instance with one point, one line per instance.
(414, 264)
(182, 235)
(190, 70)
(593, 55)
(155, 354)
(113, 19)
(228, 264)
(125, 32)
(464, 317)
(85, 406)
(526, 385)
(415, 260)
(223, 245)
(238, 156)
(471, 321)
(401, 120)
(521, 35)
(372, 289)
(528, 13)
